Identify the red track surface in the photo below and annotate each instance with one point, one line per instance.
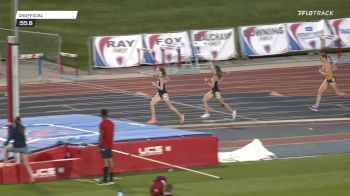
(288, 81)
(302, 81)
(289, 140)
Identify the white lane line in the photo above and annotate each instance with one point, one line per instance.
(342, 106)
(175, 102)
(70, 107)
(263, 122)
(218, 120)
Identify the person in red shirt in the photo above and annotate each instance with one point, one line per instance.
(105, 145)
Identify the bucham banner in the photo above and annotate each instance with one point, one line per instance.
(214, 44)
(169, 47)
(341, 28)
(116, 51)
(307, 35)
(264, 40)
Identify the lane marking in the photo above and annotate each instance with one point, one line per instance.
(279, 141)
(70, 107)
(276, 94)
(272, 122)
(219, 120)
(342, 106)
(139, 94)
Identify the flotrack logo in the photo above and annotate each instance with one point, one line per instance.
(48, 172)
(315, 13)
(154, 150)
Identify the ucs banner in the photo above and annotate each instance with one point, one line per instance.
(264, 40)
(307, 35)
(341, 28)
(116, 51)
(214, 44)
(169, 47)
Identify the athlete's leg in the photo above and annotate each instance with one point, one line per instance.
(153, 104)
(335, 89)
(223, 103)
(320, 92)
(167, 101)
(172, 108)
(205, 100)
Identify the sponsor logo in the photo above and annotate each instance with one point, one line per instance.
(212, 36)
(308, 35)
(264, 32)
(345, 31)
(48, 172)
(120, 44)
(154, 150)
(120, 60)
(309, 29)
(169, 41)
(267, 48)
(312, 44)
(214, 53)
(168, 57)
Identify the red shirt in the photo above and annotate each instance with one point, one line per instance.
(106, 133)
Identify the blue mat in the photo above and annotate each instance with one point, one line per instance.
(49, 131)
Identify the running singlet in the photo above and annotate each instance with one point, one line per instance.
(215, 87)
(163, 91)
(329, 74)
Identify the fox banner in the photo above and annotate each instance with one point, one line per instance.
(264, 40)
(169, 47)
(307, 35)
(116, 51)
(341, 28)
(217, 44)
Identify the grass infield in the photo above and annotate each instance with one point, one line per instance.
(321, 176)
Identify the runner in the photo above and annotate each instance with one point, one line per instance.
(327, 70)
(215, 91)
(162, 94)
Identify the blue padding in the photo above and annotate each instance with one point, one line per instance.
(49, 131)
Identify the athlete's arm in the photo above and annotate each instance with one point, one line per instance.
(334, 67)
(166, 79)
(212, 81)
(321, 70)
(161, 85)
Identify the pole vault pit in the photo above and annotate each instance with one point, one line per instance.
(64, 147)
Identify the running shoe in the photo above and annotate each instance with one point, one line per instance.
(152, 121)
(182, 119)
(234, 115)
(313, 108)
(205, 116)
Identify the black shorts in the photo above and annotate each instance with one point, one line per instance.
(106, 153)
(163, 95)
(216, 93)
(332, 80)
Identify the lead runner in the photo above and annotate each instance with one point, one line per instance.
(327, 70)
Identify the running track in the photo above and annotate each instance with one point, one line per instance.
(281, 116)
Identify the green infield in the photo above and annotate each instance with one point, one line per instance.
(111, 17)
(321, 176)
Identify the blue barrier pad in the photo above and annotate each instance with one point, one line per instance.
(76, 129)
